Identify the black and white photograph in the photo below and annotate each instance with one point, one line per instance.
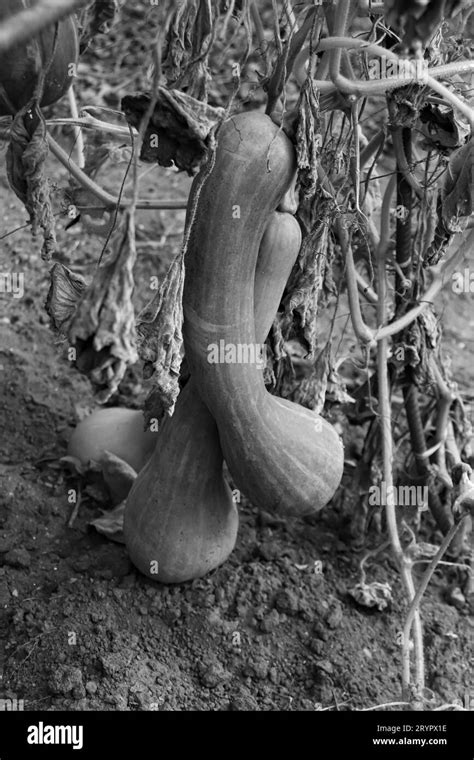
(236, 373)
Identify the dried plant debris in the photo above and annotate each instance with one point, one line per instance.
(443, 127)
(457, 186)
(64, 293)
(160, 340)
(25, 161)
(308, 138)
(178, 130)
(309, 276)
(102, 329)
(455, 202)
(416, 346)
(110, 524)
(189, 40)
(97, 18)
(373, 594)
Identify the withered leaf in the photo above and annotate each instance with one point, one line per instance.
(373, 594)
(443, 126)
(305, 285)
(178, 130)
(65, 290)
(308, 138)
(111, 523)
(25, 161)
(457, 186)
(189, 42)
(455, 202)
(102, 329)
(97, 18)
(160, 339)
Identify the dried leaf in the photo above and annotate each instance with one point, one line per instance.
(308, 138)
(160, 339)
(63, 296)
(97, 18)
(102, 329)
(25, 160)
(111, 523)
(443, 127)
(178, 130)
(455, 201)
(189, 43)
(373, 594)
(457, 187)
(305, 285)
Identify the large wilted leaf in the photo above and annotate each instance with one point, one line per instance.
(305, 285)
(443, 126)
(102, 329)
(160, 339)
(455, 201)
(457, 187)
(178, 130)
(25, 160)
(189, 42)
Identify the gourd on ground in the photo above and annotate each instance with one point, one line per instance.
(180, 519)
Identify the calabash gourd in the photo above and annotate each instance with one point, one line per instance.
(281, 455)
(113, 429)
(20, 66)
(180, 520)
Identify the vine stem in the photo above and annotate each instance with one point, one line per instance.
(106, 198)
(380, 86)
(77, 130)
(385, 413)
(415, 603)
(89, 122)
(440, 273)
